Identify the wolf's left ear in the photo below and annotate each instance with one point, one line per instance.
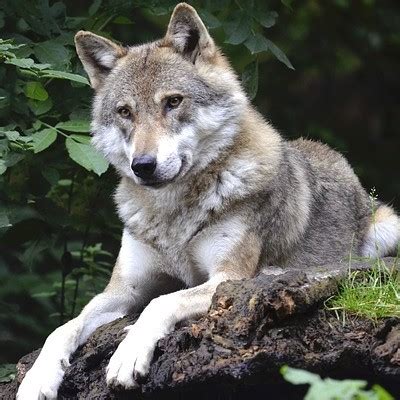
(98, 55)
(188, 35)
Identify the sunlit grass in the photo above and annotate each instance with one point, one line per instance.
(372, 294)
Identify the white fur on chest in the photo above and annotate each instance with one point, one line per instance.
(172, 229)
(170, 237)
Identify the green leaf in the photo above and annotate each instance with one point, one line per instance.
(42, 295)
(266, 19)
(94, 7)
(43, 139)
(12, 135)
(26, 63)
(7, 372)
(25, 139)
(9, 43)
(239, 29)
(86, 156)
(288, 4)
(22, 26)
(3, 167)
(49, 73)
(256, 43)
(37, 125)
(13, 158)
(33, 251)
(74, 126)
(80, 138)
(52, 52)
(299, 376)
(40, 107)
(279, 54)
(122, 20)
(4, 101)
(210, 20)
(8, 127)
(23, 51)
(382, 393)
(42, 66)
(160, 10)
(36, 91)
(4, 221)
(51, 175)
(250, 79)
(57, 9)
(65, 182)
(329, 389)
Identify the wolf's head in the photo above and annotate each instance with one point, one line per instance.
(165, 108)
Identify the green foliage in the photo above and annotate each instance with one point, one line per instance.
(332, 389)
(41, 140)
(40, 103)
(7, 372)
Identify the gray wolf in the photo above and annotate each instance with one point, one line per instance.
(209, 191)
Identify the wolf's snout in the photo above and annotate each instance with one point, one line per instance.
(144, 166)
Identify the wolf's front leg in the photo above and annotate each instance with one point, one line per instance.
(133, 356)
(45, 376)
(130, 288)
(228, 257)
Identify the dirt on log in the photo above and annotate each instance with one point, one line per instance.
(253, 327)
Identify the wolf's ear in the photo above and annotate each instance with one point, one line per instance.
(98, 55)
(188, 35)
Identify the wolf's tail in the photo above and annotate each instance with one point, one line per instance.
(383, 236)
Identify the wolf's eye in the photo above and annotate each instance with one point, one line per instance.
(124, 112)
(174, 101)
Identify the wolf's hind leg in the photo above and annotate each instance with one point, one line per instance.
(383, 236)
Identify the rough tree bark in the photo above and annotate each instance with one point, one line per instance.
(252, 328)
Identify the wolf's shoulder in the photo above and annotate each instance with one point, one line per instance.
(316, 149)
(319, 154)
(327, 164)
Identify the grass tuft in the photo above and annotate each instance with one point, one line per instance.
(372, 294)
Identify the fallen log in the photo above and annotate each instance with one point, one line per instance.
(253, 327)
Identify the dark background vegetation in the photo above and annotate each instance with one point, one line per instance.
(59, 234)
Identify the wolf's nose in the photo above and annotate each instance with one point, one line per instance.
(144, 166)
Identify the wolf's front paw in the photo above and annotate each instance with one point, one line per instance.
(41, 382)
(40, 386)
(132, 358)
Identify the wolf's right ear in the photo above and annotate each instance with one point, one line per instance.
(98, 55)
(188, 35)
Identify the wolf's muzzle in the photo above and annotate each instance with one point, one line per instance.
(144, 166)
